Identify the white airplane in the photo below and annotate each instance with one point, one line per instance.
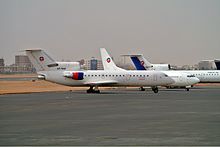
(182, 79)
(204, 76)
(146, 64)
(115, 76)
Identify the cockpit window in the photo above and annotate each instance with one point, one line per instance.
(165, 75)
(190, 76)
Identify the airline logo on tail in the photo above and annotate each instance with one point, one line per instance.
(108, 60)
(41, 59)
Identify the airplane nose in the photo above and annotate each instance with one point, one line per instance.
(197, 80)
(171, 80)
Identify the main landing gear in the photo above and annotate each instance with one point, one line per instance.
(155, 89)
(93, 89)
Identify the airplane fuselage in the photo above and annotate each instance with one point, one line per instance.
(181, 78)
(205, 76)
(105, 78)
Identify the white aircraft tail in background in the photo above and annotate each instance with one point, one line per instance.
(43, 62)
(40, 59)
(146, 65)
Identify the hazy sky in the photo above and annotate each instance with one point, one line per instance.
(171, 31)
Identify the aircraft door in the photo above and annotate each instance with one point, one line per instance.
(127, 77)
(155, 78)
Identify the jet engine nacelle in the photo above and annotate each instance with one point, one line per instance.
(69, 65)
(74, 75)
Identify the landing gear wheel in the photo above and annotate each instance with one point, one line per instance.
(92, 90)
(187, 89)
(89, 91)
(155, 90)
(142, 89)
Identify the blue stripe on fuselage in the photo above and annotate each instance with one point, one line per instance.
(217, 63)
(137, 63)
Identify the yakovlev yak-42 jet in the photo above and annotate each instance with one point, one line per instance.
(50, 70)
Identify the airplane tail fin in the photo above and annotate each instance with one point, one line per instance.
(144, 62)
(40, 60)
(140, 62)
(137, 63)
(107, 61)
(217, 63)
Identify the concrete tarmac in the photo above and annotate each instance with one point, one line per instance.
(115, 117)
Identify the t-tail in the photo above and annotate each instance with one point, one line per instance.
(108, 63)
(40, 60)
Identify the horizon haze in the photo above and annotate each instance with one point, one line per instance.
(177, 32)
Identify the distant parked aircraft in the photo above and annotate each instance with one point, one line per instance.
(204, 76)
(146, 64)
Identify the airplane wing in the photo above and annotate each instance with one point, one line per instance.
(106, 83)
